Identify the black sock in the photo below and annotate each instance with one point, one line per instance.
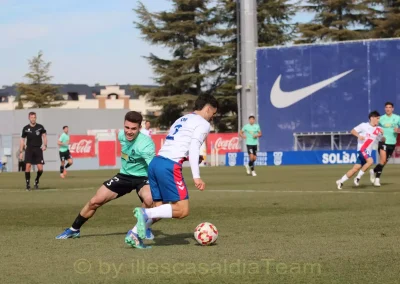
(61, 169)
(79, 221)
(38, 175)
(378, 170)
(67, 166)
(251, 164)
(28, 178)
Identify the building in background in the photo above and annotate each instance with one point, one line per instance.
(78, 96)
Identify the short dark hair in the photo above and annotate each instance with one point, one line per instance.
(134, 117)
(389, 103)
(204, 100)
(374, 114)
(252, 116)
(32, 113)
(65, 127)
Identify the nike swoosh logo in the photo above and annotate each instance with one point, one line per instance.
(281, 99)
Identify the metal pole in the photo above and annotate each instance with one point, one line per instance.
(248, 44)
(239, 70)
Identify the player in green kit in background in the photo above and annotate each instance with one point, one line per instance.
(251, 132)
(389, 123)
(65, 155)
(137, 151)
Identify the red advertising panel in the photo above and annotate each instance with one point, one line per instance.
(223, 142)
(158, 140)
(82, 146)
(396, 153)
(107, 155)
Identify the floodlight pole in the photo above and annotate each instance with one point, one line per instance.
(247, 36)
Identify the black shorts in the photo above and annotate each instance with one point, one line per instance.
(123, 184)
(252, 149)
(389, 149)
(34, 156)
(65, 156)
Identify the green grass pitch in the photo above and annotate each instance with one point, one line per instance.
(287, 225)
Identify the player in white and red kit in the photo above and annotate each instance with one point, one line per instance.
(368, 134)
(183, 143)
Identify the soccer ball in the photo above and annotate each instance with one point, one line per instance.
(206, 234)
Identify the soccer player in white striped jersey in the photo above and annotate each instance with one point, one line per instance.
(368, 134)
(168, 188)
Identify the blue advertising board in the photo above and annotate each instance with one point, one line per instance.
(295, 158)
(323, 87)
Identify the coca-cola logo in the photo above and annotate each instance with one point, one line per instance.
(231, 144)
(83, 146)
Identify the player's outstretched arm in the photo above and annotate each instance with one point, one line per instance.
(356, 131)
(199, 135)
(194, 154)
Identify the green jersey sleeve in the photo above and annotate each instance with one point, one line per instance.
(121, 135)
(148, 151)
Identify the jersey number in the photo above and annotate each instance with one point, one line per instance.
(384, 147)
(112, 180)
(171, 137)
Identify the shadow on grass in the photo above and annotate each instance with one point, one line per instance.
(371, 186)
(104, 235)
(160, 239)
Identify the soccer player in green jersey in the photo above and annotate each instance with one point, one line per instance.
(137, 150)
(63, 143)
(251, 132)
(390, 123)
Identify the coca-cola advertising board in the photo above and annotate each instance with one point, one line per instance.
(223, 143)
(82, 146)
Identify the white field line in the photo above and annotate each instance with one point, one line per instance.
(299, 191)
(218, 190)
(7, 190)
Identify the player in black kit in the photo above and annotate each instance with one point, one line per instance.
(36, 143)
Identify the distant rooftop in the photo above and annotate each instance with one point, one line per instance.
(80, 89)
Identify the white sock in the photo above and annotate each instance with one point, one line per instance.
(344, 178)
(72, 229)
(149, 223)
(164, 211)
(360, 174)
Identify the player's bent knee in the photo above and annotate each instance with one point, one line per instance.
(182, 214)
(148, 201)
(180, 210)
(145, 195)
(95, 203)
(185, 213)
